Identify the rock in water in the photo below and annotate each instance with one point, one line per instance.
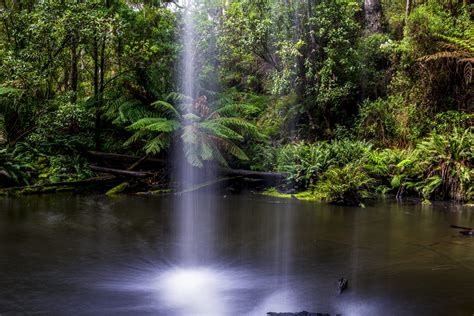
(342, 285)
(303, 313)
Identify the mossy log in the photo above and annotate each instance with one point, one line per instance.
(118, 189)
(266, 176)
(121, 173)
(121, 166)
(92, 184)
(125, 161)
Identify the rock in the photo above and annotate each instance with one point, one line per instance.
(342, 284)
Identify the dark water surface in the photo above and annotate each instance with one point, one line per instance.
(93, 255)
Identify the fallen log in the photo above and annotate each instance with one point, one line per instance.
(102, 182)
(461, 227)
(204, 185)
(122, 173)
(123, 158)
(158, 163)
(274, 176)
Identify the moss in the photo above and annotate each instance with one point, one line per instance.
(426, 202)
(161, 191)
(118, 189)
(303, 196)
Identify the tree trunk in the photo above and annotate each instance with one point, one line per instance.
(100, 99)
(373, 15)
(74, 76)
(96, 93)
(408, 8)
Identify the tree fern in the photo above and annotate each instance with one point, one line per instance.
(204, 136)
(165, 108)
(459, 49)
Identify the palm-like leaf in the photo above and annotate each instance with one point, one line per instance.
(204, 136)
(166, 108)
(234, 109)
(156, 125)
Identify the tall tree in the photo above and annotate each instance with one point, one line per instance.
(373, 15)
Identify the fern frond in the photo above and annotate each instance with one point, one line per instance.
(165, 108)
(240, 125)
(444, 55)
(135, 137)
(467, 44)
(8, 91)
(189, 135)
(216, 153)
(234, 109)
(230, 147)
(191, 154)
(221, 130)
(191, 117)
(156, 125)
(164, 126)
(157, 144)
(176, 97)
(205, 150)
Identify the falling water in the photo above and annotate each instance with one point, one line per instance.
(188, 79)
(185, 175)
(197, 284)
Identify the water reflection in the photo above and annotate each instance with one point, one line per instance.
(99, 256)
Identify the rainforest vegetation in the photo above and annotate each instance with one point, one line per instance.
(350, 98)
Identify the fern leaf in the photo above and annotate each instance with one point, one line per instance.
(157, 144)
(165, 108)
(221, 130)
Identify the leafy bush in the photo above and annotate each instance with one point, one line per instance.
(12, 169)
(303, 162)
(445, 122)
(444, 166)
(440, 167)
(374, 51)
(388, 168)
(68, 127)
(376, 121)
(306, 162)
(347, 185)
(53, 168)
(262, 157)
(205, 134)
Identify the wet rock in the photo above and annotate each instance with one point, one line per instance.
(303, 313)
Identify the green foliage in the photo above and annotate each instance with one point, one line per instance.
(12, 169)
(205, 134)
(118, 189)
(389, 168)
(51, 168)
(444, 165)
(374, 52)
(305, 163)
(439, 167)
(347, 185)
(64, 128)
(308, 75)
(446, 122)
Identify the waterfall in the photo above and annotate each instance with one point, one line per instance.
(194, 221)
(185, 175)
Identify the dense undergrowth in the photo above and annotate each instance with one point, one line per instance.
(350, 101)
(439, 167)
